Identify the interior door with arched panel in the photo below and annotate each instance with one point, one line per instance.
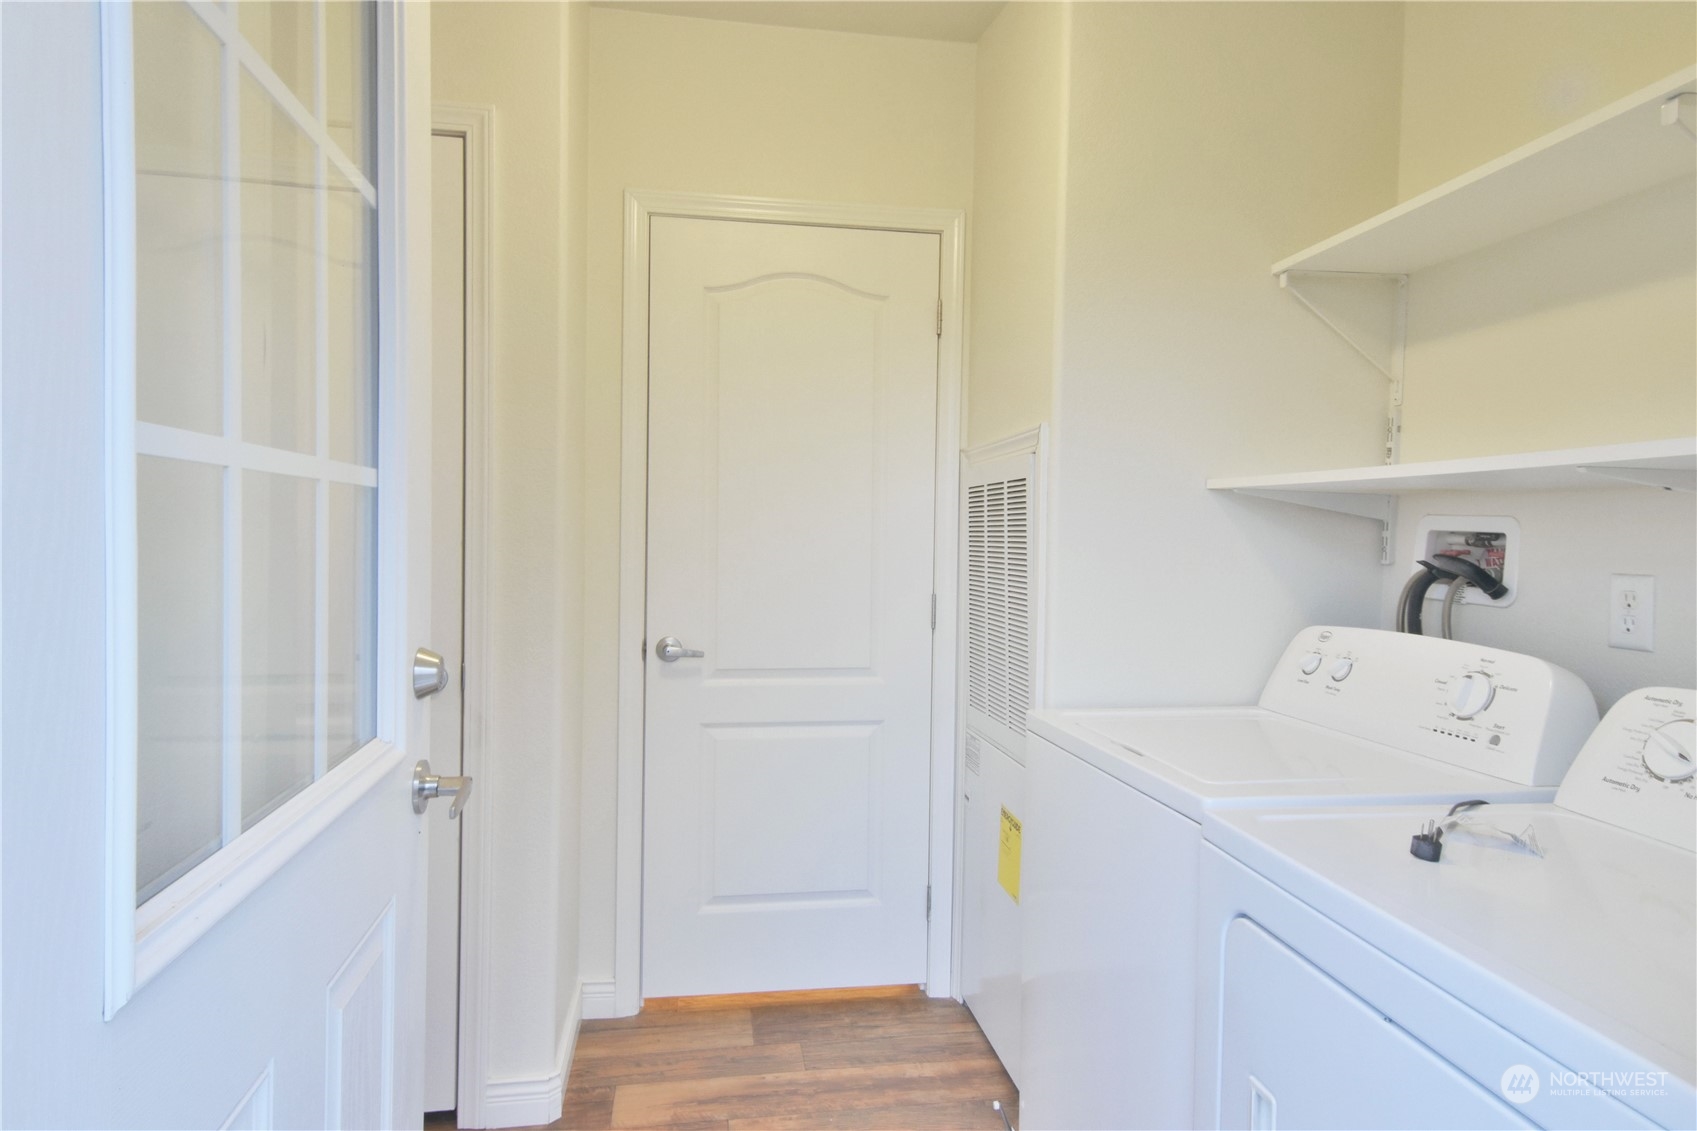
(791, 476)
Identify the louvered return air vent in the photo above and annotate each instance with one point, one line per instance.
(1000, 587)
(1001, 490)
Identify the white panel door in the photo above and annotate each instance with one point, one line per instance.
(216, 538)
(792, 418)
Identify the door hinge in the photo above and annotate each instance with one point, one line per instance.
(939, 318)
(933, 612)
(645, 651)
(928, 901)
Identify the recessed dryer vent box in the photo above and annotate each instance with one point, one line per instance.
(1491, 541)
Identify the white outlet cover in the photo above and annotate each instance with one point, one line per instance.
(1632, 595)
(1426, 544)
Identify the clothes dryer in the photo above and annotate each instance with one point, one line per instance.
(1112, 834)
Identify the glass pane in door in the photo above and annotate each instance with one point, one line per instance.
(279, 524)
(279, 244)
(285, 33)
(352, 307)
(180, 197)
(256, 373)
(352, 664)
(348, 81)
(180, 641)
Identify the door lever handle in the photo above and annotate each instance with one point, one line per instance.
(670, 650)
(426, 785)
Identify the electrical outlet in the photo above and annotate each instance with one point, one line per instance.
(1632, 612)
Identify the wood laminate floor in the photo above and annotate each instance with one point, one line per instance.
(886, 1058)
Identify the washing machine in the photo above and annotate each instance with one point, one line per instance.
(1540, 971)
(1112, 840)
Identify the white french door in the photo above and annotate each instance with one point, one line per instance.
(791, 476)
(216, 543)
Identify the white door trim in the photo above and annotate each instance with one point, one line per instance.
(950, 226)
(476, 125)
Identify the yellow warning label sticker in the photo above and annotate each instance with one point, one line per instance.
(1007, 859)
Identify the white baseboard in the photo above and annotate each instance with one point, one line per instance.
(535, 1101)
(599, 1002)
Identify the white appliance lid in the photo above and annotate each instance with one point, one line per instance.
(1193, 759)
(1596, 938)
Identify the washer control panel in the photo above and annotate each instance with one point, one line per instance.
(1501, 713)
(1637, 770)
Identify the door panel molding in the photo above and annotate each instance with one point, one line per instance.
(949, 225)
(359, 1047)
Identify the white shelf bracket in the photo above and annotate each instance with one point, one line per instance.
(1668, 479)
(1379, 508)
(1390, 366)
(1681, 110)
(1395, 346)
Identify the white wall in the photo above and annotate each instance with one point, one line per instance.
(526, 61)
(1018, 183)
(694, 105)
(1571, 541)
(1209, 141)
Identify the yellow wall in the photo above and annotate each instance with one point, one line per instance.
(1582, 332)
(709, 106)
(1017, 187)
(1208, 140)
(518, 59)
(574, 227)
(1480, 79)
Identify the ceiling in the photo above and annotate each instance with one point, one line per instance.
(961, 21)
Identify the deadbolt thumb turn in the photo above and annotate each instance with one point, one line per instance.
(426, 785)
(429, 673)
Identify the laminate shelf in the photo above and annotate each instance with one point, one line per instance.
(1627, 147)
(1371, 492)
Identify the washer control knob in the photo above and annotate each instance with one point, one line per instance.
(1341, 669)
(1668, 750)
(1311, 663)
(1471, 694)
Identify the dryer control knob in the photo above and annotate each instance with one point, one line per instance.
(1471, 694)
(1311, 663)
(1341, 669)
(1668, 750)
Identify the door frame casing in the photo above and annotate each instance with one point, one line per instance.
(950, 226)
(475, 125)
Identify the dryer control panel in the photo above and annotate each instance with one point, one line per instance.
(1636, 772)
(1501, 713)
